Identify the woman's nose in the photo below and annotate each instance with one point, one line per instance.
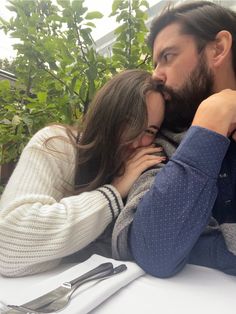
(146, 141)
(141, 142)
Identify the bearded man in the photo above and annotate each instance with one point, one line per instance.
(185, 211)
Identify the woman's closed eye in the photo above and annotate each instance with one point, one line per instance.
(152, 131)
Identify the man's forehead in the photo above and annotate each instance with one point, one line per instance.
(172, 36)
(169, 35)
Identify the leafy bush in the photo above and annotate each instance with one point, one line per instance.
(57, 66)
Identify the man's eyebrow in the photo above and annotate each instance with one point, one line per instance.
(162, 52)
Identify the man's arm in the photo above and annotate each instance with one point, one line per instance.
(176, 210)
(211, 251)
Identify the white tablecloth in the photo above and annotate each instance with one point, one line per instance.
(195, 290)
(21, 290)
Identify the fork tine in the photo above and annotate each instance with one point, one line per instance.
(13, 309)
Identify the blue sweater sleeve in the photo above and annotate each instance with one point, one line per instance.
(173, 214)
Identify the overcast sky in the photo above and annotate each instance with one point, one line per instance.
(103, 26)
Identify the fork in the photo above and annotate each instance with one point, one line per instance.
(62, 302)
(31, 307)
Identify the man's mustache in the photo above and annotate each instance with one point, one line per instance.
(167, 92)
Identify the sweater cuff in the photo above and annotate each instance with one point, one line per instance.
(114, 199)
(202, 149)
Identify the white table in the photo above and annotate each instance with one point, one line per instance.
(196, 290)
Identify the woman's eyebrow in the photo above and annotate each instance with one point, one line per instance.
(154, 127)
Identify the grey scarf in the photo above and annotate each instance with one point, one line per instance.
(120, 249)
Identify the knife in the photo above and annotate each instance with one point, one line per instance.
(44, 300)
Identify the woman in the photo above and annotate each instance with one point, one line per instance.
(69, 185)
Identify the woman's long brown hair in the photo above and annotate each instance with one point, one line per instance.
(116, 116)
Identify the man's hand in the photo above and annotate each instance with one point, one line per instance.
(218, 113)
(140, 161)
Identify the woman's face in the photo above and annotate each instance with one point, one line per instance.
(155, 111)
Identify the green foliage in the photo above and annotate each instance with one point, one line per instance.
(21, 117)
(8, 65)
(130, 50)
(57, 66)
(56, 50)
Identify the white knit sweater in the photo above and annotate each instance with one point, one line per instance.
(39, 222)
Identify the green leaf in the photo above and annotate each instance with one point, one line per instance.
(116, 5)
(90, 24)
(42, 96)
(93, 15)
(11, 8)
(83, 90)
(77, 6)
(16, 120)
(5, 85)
(86, 36)
(144, 3)
(63, 3)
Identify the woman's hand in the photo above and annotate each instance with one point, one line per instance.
(140, 161)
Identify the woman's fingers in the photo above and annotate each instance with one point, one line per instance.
(134, 169)
(144, 151)
(144, 156)
(146, 162)
(143, 163)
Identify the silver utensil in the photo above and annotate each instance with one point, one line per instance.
(32, 306)
(58, 299)
(15, 309)
(62, 302)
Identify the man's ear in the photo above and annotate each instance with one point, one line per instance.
(221, 48)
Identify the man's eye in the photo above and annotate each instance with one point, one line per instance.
(167, 57)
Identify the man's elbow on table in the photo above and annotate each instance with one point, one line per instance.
(159, 265)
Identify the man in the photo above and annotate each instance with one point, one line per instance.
(188, 214)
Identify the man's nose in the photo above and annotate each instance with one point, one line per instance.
(159, 75)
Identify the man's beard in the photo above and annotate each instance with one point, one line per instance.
(183, 103)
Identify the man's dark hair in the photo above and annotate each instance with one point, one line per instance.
(201, 19)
